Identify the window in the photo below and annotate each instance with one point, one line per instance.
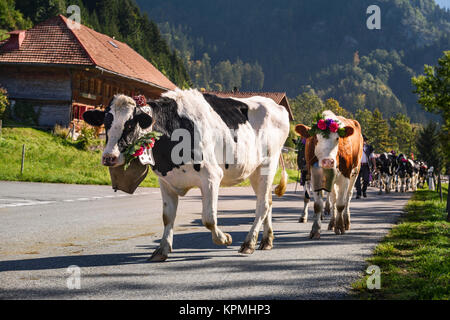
(113, 44)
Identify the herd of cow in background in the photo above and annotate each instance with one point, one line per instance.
(398, 173)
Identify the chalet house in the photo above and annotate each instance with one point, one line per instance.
(279, 97)
(62, 71)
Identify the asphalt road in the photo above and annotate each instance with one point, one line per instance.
(45, 228)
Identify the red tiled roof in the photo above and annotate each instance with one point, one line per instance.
(54, 42)
(275, 96)
(50, 42)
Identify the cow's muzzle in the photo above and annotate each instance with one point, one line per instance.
(327, 163)
(110, 160)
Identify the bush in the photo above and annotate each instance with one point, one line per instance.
(4, 104)
(60, 131)
(26, 113)
(86, 138)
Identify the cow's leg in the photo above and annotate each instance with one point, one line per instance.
(343, 184)
(388, 182)
(261, 181)
(210, 194)
(332, 208)
(267, 239)
(327, 209)
(318, 210)
(347, 201)
(170, 203)
(380, 183)
(306, 200)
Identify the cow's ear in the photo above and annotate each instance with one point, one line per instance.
(144, 120)
(348, 131)
(94, 117)
(302, 130)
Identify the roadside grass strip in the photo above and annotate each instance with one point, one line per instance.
(414, 258)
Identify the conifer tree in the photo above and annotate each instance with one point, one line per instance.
(378, 132)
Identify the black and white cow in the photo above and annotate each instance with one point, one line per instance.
(422, 176)
(403, 173)
(386, 164)
(229, 140)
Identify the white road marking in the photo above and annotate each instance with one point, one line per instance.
(25, 202)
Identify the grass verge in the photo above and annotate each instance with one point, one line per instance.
(52, 159)
(414, 257)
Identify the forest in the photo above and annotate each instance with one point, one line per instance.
(296, 45)
(319, 52)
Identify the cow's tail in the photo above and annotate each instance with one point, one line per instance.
(281, 188)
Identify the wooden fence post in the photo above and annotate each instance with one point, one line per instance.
(448, 199)
(23, 160)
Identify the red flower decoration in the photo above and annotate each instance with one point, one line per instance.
(139, 152)
(151, 144)
(140, 100)
(334, 127)
(321, 124)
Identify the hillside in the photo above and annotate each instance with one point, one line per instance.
(61, 162)
(121, 19)
(299, 43)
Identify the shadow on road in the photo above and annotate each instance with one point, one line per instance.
(186, 244)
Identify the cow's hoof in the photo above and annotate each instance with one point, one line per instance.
(228, 240)
(347, 227)
(339, 230)
(246, 249)
(266, 244)
(302, 220)
(158, 256)
(330, 226)
(315, 235)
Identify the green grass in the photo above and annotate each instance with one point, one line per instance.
(53, 159)
(414, 257)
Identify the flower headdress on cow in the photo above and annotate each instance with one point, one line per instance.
(144, 143)
(326, 126)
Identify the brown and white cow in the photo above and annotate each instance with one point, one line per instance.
(340, 156)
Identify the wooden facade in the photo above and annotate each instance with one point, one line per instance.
(61, 71)
(63, 94)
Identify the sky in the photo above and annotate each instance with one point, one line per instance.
(444, 3)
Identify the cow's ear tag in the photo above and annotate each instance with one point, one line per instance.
(147, 158)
